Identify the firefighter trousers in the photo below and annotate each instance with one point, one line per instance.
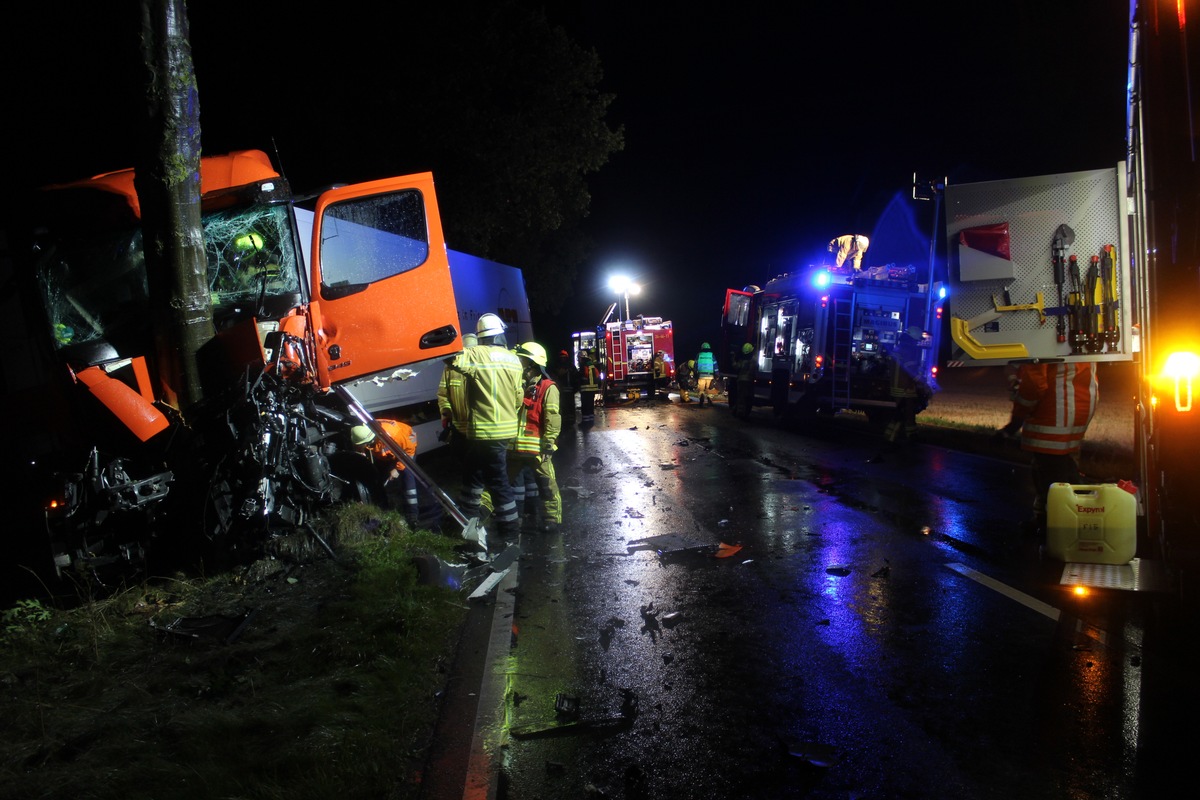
(548, 494)
(485, 467)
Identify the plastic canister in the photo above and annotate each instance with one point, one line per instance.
(1092, 524)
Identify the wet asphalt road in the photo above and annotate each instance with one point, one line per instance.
(884, 630)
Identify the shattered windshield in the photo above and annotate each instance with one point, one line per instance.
(250, 254)
(95, 289)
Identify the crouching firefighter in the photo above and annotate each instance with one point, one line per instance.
(537, 438)
(399, 484)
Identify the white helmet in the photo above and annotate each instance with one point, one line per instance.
(489, 325)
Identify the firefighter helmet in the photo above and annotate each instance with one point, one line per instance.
(248, 243)
(692, 364)
(747, 348)
(706, 346)
(489, 325)
(533, 351)
(470, 340)
(361, 434)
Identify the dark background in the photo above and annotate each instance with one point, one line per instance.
(754, 133)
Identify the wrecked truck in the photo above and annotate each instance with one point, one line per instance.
(120, 466)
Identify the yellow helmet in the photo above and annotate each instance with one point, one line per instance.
(747, 348)
(248, 242)
(534, 352)
(361, 434)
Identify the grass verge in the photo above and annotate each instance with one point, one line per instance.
(328, 689)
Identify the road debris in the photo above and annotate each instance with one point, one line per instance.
(224, 628)
(727, 550)
(600, 725)
(815, 753)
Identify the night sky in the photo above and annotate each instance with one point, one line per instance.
(754, 133)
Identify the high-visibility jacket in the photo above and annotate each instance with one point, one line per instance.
(906, 363)
(853, 246)
(1055, 402)
(399, 433)
(706, 364)
(452, 397)
(589, 377)
(541, 417)
(494, 391)
(744, 367)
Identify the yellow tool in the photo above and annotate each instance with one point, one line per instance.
(1037, 305)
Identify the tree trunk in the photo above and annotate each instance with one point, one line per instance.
(167, 178)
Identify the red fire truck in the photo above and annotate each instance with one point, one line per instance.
(625, 352)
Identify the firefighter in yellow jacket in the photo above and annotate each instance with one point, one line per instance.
(537, 439)
(852, 246)
(494, 400)
(452, 400)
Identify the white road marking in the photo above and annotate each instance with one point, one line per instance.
(1006, 590)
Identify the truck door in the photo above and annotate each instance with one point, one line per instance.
(382, 297)
(736, 320)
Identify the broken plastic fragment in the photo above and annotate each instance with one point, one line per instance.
(566, 706)
(815, 753)
(727, 550)
(667, 543)
(433, 571)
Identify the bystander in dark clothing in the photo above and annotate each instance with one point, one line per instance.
(744, 391)
(566, 377)
(905, 387)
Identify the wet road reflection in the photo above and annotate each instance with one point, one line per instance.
(843, 651)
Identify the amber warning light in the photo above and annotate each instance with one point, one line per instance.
(1181, 369)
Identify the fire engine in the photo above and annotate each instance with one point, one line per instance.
(625, 351)
(1104, 265)
(823, 339)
